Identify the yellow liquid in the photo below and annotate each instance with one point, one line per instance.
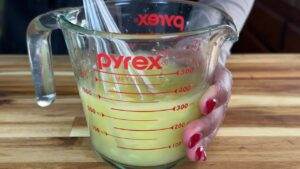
(149, 136)
(145, 129)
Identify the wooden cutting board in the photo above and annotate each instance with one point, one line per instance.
(261, 130)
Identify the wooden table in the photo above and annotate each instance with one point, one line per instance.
(261, 131)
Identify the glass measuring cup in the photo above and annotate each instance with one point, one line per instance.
(136, 104)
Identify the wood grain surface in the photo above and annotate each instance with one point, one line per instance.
(261, 130)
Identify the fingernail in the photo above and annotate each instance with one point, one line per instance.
(210, 105)
(194, 140)
(200, 154)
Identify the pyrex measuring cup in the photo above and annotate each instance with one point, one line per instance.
(136, 105)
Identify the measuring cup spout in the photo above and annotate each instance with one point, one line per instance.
(230, 32)
(222, 34)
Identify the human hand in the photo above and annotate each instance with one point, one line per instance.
(213, 105)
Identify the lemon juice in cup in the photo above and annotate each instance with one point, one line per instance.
(145, 122)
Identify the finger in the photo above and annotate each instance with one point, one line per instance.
(199, 133)
(219, 93)
(198, 152)
(208, 139)
(201, 128)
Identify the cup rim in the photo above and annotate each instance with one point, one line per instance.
(67, 25)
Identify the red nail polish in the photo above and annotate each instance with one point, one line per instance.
(194, 140)
(200, 154)
(210, 105)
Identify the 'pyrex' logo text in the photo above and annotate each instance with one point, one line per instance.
(137, 62)
(154, 19)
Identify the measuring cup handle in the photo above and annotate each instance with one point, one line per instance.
(40, 56)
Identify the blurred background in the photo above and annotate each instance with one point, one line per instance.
(273, 26)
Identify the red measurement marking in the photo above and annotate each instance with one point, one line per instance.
(124, 74)
(97, 79)
(158, 148)
(175, 108)
(126, 101)
(183, 89)
(126, 138)
(144, 149)
(169, 128)
(143, 111)
(92, 110)
(181, 107)
(99, 131)
(112, 91)
(174, 127)
(176, 144)
(185, 71)
(83, 73)
(179, 125)
(116, 118)
(89, 92)
(182, 72)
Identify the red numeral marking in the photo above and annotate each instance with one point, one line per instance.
(184, 89)
(83, 74)
(185, 71)
(92, 110)
(180, 125)
(181, 107)
(87, 91)
(96, 129)
(176, 144)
